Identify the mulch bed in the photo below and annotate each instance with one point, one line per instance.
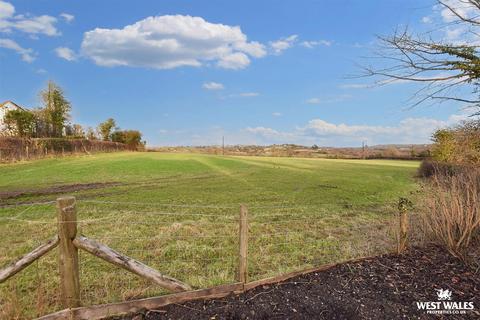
(385, 287)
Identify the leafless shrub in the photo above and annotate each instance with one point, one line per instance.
(452, 211)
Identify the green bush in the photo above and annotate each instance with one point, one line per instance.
(460, 144)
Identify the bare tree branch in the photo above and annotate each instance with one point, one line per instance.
(456, 11)
(442, 66)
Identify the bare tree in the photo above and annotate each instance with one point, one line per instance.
(444, 67)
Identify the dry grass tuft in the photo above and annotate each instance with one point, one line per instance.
(452, 211)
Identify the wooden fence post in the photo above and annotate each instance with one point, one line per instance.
(403, 224)
(243, 252)
(68, 253)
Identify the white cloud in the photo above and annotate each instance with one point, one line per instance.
(409, 130)
(67, 17)
(170, 41)
(249, 94)
(66, 53)
(316, 131)
(241, 95)
(277, 47)
(27, 23)
(313, 101)
(463, 8)
(277, 114)
(6, 10)
(453, 30)
(237, 60)
(213, 86)
(283, 44)
(271, 134)
(427, 19)
(392, 81)
(332, 99)
(27, 54)
(355, 86)
(312, 44)
(455, 33)
(36, 25)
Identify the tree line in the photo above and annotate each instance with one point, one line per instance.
(53, 120)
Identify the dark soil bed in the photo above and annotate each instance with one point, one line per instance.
(385, 287)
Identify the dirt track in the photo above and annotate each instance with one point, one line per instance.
(387, 287)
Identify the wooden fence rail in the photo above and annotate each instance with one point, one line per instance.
(27, 259)
(127, 263)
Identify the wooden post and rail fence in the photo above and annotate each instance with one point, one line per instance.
(69, 242)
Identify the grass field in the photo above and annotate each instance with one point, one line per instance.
(178, 213)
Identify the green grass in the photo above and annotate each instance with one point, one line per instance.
(178, 213)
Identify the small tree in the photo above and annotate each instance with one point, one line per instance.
(118, 136)
(56, 108)
(105, 129)
(20, 123)
(91, 135)
(133, 138)
(78, 131)
(444, 145)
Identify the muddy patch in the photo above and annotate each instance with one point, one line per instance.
(66, 188)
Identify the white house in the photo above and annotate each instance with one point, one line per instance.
(4, 108)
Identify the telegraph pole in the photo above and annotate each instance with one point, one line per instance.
(223, 145)
(363, 149)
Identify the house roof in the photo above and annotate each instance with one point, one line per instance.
(11, 102)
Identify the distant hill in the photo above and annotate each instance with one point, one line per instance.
(387, 151)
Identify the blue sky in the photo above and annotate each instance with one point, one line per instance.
(189, 72)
